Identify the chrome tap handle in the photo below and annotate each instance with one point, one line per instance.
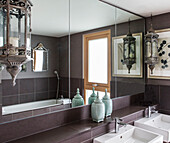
(117, 119)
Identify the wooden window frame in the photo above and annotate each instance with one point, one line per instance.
(86, 38)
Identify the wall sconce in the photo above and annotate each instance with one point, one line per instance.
(129, 50)
(15, 35)
(151, 43)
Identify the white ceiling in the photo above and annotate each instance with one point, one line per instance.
(143, 7)
(51, 17)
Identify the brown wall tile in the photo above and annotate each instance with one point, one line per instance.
(26, 86)
(8, 89)
(10, 100)
(41, 84)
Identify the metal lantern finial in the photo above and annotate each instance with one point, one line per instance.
(151, 43)
(129, 50)
(15, 34)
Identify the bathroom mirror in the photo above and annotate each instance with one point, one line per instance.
(63, 34)
(47, 77)
(92, 49)
(40, 58)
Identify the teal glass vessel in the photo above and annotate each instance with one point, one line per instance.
(98, 110)
(77, 100)
(108, 104)
(92, 97)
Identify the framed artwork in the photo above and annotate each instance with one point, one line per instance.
(162, 69)
(118, 68)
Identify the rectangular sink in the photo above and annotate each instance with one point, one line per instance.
(158, 123)
(130, 134)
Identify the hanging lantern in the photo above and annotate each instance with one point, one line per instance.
(15, 35)
(129, 50)
(151, 44)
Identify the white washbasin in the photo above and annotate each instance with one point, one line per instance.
(158, 123)
(130, 134)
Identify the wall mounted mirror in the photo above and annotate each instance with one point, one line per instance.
(37, 88)
(40, 58)
(93, 35)
(64, 39)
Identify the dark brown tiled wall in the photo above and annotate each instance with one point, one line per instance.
(158, 90)
(125, 87)
(28, 90)
(159, 94)
(74, 84)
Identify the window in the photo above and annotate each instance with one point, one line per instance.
(97, 62)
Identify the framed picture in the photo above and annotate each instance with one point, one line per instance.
(118, 68)
(162, 69)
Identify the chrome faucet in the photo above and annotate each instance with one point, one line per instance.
(118, 122)
(151, 110)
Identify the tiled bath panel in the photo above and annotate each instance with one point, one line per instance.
(39, 123)
(85, 130)
(28, 90)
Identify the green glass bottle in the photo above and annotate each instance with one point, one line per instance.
(108, 104)
(92, 97)
(77, 100)
(98, 110)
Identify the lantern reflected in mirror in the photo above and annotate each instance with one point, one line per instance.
(15, 34)
(129, 50)
(151, 44)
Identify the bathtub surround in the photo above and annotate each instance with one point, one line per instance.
(28, 90)
(32, 113)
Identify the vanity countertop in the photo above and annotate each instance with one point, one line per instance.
(83, 130)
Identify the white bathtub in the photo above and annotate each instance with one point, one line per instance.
(31, 106)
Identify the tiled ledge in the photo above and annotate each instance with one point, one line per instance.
(20, 128)
(32, 113)
(84, 131)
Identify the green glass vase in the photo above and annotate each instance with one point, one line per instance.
(108, 104)
(98, 110)
(77, 100)
(92, 97)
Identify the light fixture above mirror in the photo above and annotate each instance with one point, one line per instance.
(15, 38)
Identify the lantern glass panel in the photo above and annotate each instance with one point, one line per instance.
(28, 33)
(126, 51)
(17, 27)
(148, 49)
(154, 49)
(132, 50)
(3, 21)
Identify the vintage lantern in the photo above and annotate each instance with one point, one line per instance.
(15, 34)
(151, 45)
(129, 50)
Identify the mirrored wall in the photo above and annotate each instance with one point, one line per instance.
(45, 78)
(76, 44)
(100, 55)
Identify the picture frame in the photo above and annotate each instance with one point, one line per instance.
(160, 71)
(120, 70)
